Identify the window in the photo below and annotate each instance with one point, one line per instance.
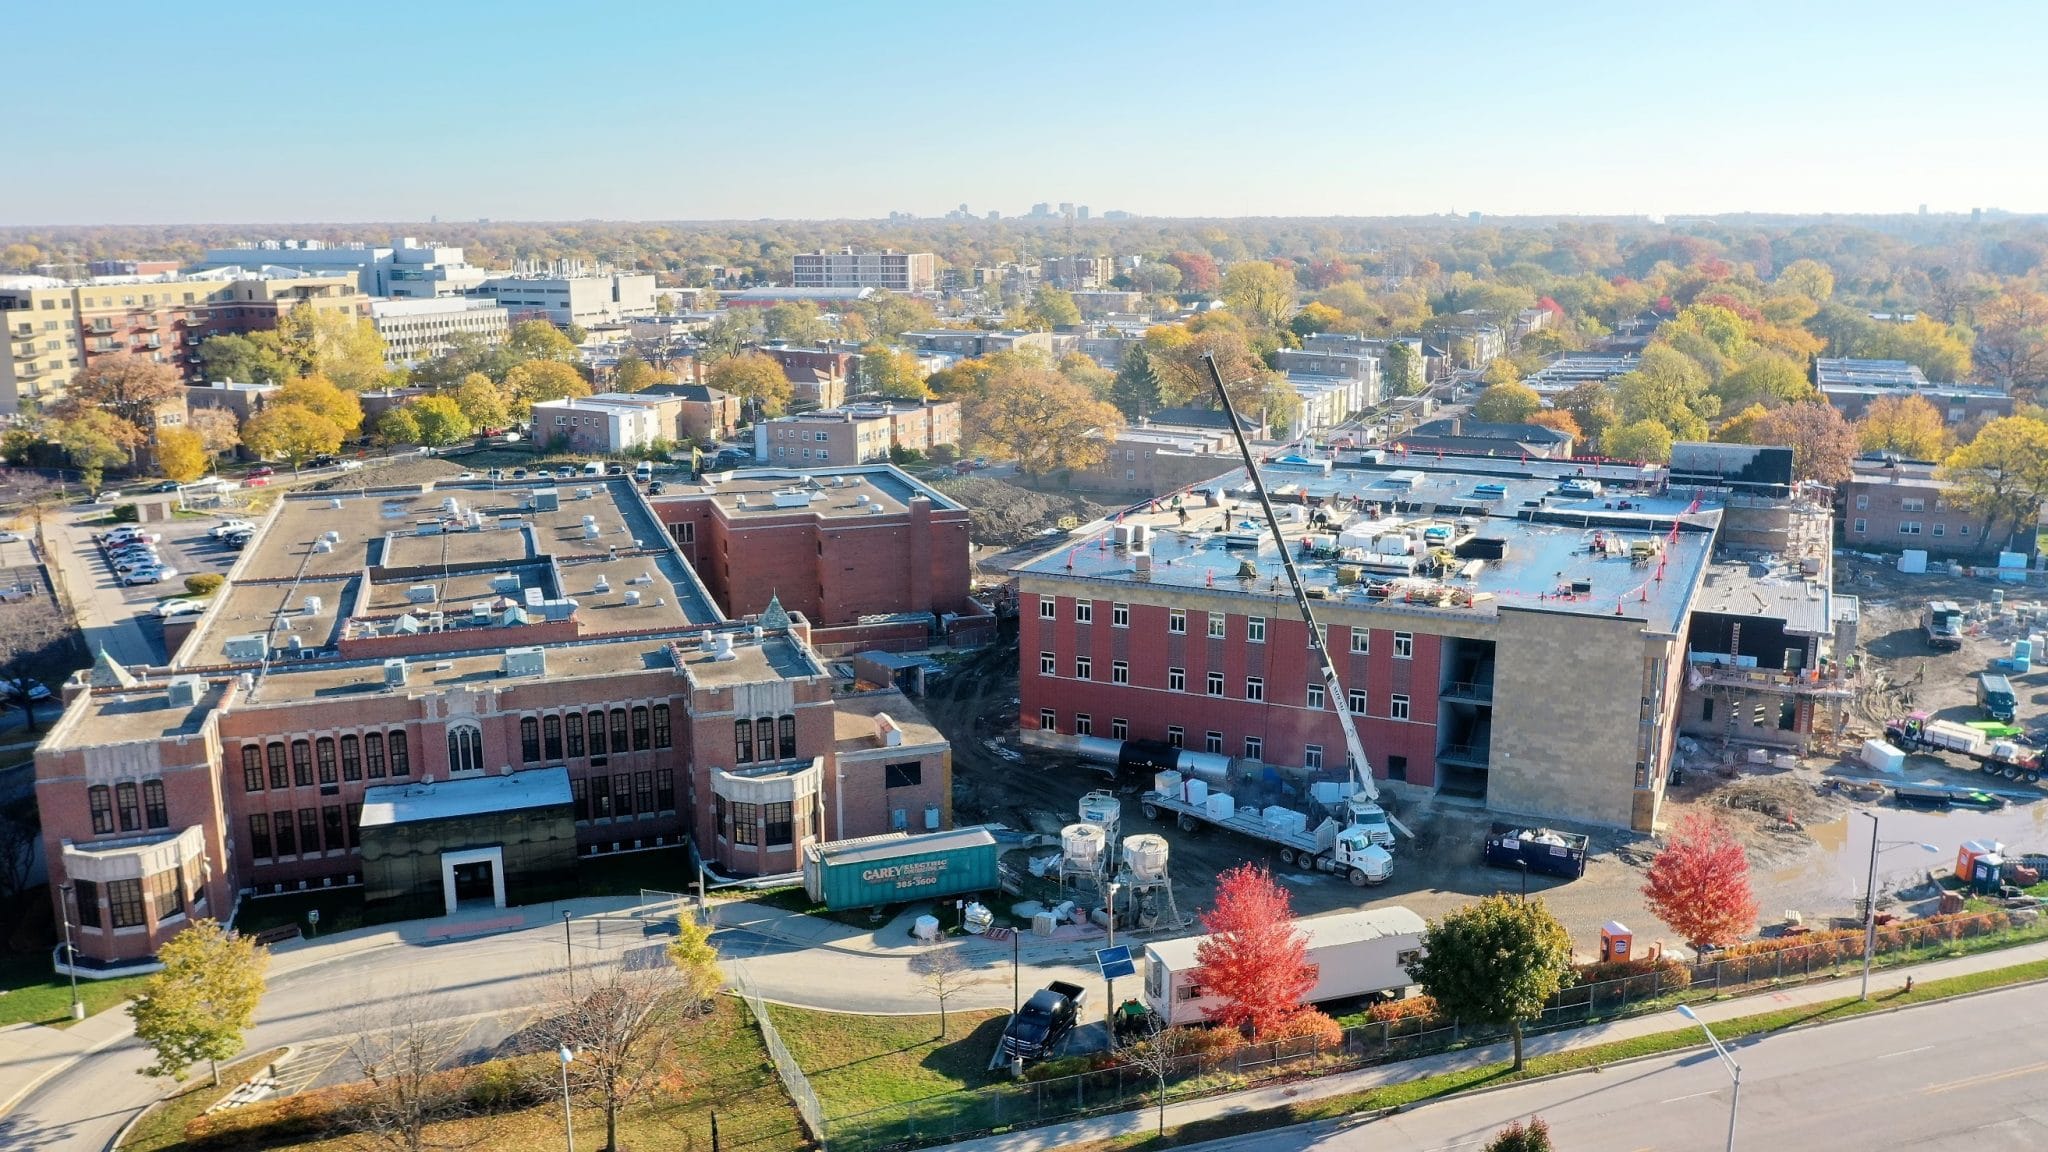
(597, 734)
(1084, 667)
(529, 741)
(351, 758)
(1048, 664)
(744, 828)
(130, 810)
(1120, 672)
(1963, 531)
(1215, 625)
(618, 729)
(373, 754)
(1361, 641)
(1397, 768)
(302, 763)
(579, 792)
(252, 768)
(1358, 701)
(1177, 622)
(1255, 688)
(1176, 736)
(87, 894)
(1862, 502)
(124, 901)
(1912, 504)
(1940, 529)
(643, 734)
(622, 793)
(743, 741)
(1176, 679)
(1215, 683)
(1312, 756)
(909, 774)
(1047, 608)
(1861, 525)
(324, 750)
(331, 821)
(287, 843)
(1397, 707)
(101, 800)
(1404, 645)
(573, 723)
(352, 822)
(1255, 629)
(1084, 724)
(274, 754)
(401, 755)
(155, 814)
(1315, 697)
(1254, 747)
(661, 728)
(601, 797)
(1048, 720)
(309, 832)
(778, 819)
(785, 737)
(466, 747)
(1119, 615)
(551, 737)
(1084, 611)
(664, 790)
(1909, 527)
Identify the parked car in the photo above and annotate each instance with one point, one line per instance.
(349, 465)
(226, 528)
(656, 488)
(1037, 1029)
(324, 460)
(170, 608)
(261, 470)
(149, 576)
(615, 469)
(127, 532)
(165, 486)
(519, 473)
(11, 537)
(544, 474)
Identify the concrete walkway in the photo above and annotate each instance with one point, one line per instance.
(1146, 1120)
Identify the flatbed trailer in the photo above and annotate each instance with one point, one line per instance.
(1920, 732)
(1349, 852)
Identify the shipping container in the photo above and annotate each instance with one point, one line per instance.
(869, 873)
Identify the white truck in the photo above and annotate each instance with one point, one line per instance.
(1356, 849)
(1363, 953)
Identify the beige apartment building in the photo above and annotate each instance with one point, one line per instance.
(41, 327)
(857, 433)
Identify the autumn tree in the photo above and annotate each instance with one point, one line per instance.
(483, 403)
(2002, 473)
(1643, 440)
(1040, 419)
(1908, 426)
(1824, 445)
(1940, 351)
(197, 1007)
(540, 340)
(1507, 404)
(635, 374)
(1592, 405)
(797, 322)
(96, 440)
(340, 346)
(219, 431)
(1178, 359)
(440, 421)
(398, 1047)
(1699, 883)
(620, 1024)
(1254, 958)
(322, 395)
(293, 433)
(892, 372)
(756, 379)
(1766, 377)
(1261, 292)
(2012, 337)
(1197, 272)
(180, 454)
(1744, 426)
(1810, 278)
(1667, 387)
(1497, 961)
(1051, 308)
(130, 388)
(538, 381)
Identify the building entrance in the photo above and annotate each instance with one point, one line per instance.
(473, 883)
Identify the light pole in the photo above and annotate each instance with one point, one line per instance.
(1109, 1017)
(568, 1121)
(568, 962)
(71, 955)
(1870, 896)
(1734, 1069)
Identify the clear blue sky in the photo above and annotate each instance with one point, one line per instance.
(695, 109)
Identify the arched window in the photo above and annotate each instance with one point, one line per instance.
(401, 753)
(597, 744)
(465, 749)
(373, 753)
(324, 749)
(302, 762)
(273, 754)
(551, 736)
(252, 768)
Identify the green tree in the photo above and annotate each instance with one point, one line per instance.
(1669, 388)
(1051, 308)
(440, 421)
(1766, 377)
(397, 426)
(1941, 351)
(1644, 440)
(727, 336)
(181, 454)
(243, 358)
(798, 322)
(94, 441)
(695, 959)
(537, 381)
(756, 379)
(1156, 278)
(1507, 404)
(1495, 962)
(1136, 390)
(2002, 474)
(468, 353)
(891, 372)
(1592, 405)
(540, 340)
(1810, 278)
(323, 396)
(202, 1001)
(483, 403)
(1314, 317)
(1402, 369)
(293, 433)
(1261, 292)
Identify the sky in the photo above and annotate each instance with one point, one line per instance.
(696, 109)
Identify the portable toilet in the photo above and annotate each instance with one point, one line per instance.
(1966, 857)
(1616, 941)
(1987, 873)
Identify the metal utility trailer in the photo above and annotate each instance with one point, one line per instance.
(1325, 848)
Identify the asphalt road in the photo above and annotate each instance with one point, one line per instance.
(1962, 1075)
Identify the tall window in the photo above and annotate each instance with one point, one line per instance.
(1119, 672)
(1212, 742)
(1176, 736)
(155, 813)
(302, 763)
(1254, 747)
(1215, 683)
(622, 793)
(124, 902)
(259, 836)
(252, 768)
(1084, 611)
(579, 791)
(1397, 707)
(1177, 622)
(1084, 667)
(1047, 608)
(354, 821)
(125, 803)
(1358, 701)
(287, 842)
(351, 758)
(331, 822)
(1315, 697)
(643, 791)
(324, 749)
(373, 753)
(87, 895)
(1119, 728)
(274, 754)
(643, 738)
(1215, 625)
(743, 741)
(601, 797)
(574, 723)
(401, 753)
(1255, 688)
(1361, 641)
(664, 790)
(1120, 615)
(745, 830)
(618, 729)
(100, 799)
(309, 831)
(597, 745)
(785, 737)
(551, 736)
(529, 740)
(662, 736)
(1084, 724)
(1048, 664)
(1048, 720)
(1312, 757)
(466, 748)
(778, 819)
(166, 894)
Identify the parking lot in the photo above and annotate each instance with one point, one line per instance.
(119, 617)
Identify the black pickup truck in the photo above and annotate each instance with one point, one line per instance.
(1044, 1021)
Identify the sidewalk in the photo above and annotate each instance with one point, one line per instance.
(1146, 1120)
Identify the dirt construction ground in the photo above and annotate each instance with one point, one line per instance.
(1808, 850)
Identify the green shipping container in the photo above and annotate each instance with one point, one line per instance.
(865, 874)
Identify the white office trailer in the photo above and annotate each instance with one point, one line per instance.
(1363, 953)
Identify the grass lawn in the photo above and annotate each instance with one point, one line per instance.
(32, 994)
(163, 1126)
(861, 1063)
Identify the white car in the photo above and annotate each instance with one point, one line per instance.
(149, 576)
(349, 465)
(170, 608)
(227, 528)
(11, 537)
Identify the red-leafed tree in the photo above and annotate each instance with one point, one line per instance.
(1254, 959)
(1699, 883)
(1197, 271)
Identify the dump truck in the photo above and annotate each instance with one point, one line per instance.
(1038, 1027)
(1355, 849)
(1364, 953)
(1943, 621)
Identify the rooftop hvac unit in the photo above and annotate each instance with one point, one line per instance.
(311, 605)
(547, 500)
(877, 510)
(184, 691)
(407, 624)
(590, 529)
(331, 537)
(603, 585)
(526, 662)
(583, 493)
(505, 582)
(721, 647)
(479, 610)
(632, 597)
(421, 594)
(334, 503)
(534, 596)
(394, 673)
(792, 498)
(324, 546)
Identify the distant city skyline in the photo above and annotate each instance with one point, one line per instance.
(465, 111)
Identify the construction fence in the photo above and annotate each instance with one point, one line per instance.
(960, 1115)
(786, 1068)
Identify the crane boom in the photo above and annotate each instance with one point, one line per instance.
(1354, 751)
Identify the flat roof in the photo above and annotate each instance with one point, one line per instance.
(863, 852)
(827, 493)
(773, 657)
(391, 804)
(854, 727)
(1337, 928)
(134, 715)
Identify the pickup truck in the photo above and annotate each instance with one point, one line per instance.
(1036, 1031)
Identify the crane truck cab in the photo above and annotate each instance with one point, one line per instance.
(1364, 813)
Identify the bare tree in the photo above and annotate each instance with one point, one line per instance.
(1158, 1054)
(36, 647)
(942, 971)
(619, 1025)
(398, 1048)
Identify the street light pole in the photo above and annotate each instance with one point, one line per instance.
(1734, 1070)
(71, 955)
(1109, 1016)
(569, 961)
(568, 1121)
(1869, 909)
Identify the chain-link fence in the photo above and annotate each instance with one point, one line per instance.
(959, 1115)
(786, 1068)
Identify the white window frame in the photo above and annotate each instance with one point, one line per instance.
(1177, 622)
(1048, 664)
(1212, 742)
(1119, 672)
(1315, 697)
(1255, 748)
(1215, 683)
(1255, 688)
(1255, 629)
(1048, 608)
(1404, 645)
(1084, 724)
(1119, 728)
(1398, 707)
(1176, 736)
(1084, 611)
(1048, 720)
(1361, 641)
(1119, 615)
(1216, 620)
(1312, 757)
(1359, 702)
(1084, 667)
(1176, 679)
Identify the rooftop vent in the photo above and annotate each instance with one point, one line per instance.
(526, 662)
(632, 597)
(241, 648)
(324, 546)
(721, 647)
(184, 691)
(422, 594)
(547, 500)
(311, 605)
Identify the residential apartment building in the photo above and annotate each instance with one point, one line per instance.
(1078, 273)
(818, 377)
(162, 320)
(566, 300)
(1851, 386)
(967, 343)
(1469, 340)
(417, 330)
(607, 424)
(888, 270)
(703, 413)
(258, 304)
(472, 688)
(1890, 505)
(1356, 345)
(39, 319)
(405, 269)
(857, 433)
(242, 398)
